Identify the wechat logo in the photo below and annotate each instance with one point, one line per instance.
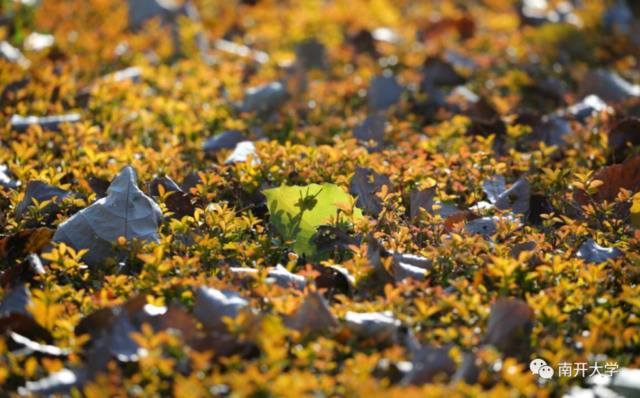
(539, 367)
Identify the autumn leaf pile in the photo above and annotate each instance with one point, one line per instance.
(318, 198)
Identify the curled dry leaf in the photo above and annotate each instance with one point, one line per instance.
(24, 325)
(385, 34)
(16, 318)
(125, 212)
(509, 327)
(284, 278)
(618, 17)
(469, 370)
(131, 74)
(485, 119)
(38, 41)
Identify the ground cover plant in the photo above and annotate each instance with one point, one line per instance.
(320, 198)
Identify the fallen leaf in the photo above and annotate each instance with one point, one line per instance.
(23, 272)
(296, 212)
(464, 25)
(6, 180)
(425, 199)
(592, 252)
(278, 275)
(167, 183)
(365, 183)
(384, 92)
(590, 105)
(126, 211)
(29, 346)
(39, 191)
(212, 306)
(363, 42)
(517, 198)
(335, 280)
(329, 238)
(311, 54)
(623, 136)
(60, 382)
(438, 73)
(509, 327)
(99, 186)
(47, 123)
(381, 327)
(265, 99)
(608, 85)
(243, 151)
(24, 325)
(312, 316)
(615, 177)
(228, 139)
(23, 243)
(485, 226)
(16, 301)
(430, 364)
(371, 130)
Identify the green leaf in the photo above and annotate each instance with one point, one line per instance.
(296, 212)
